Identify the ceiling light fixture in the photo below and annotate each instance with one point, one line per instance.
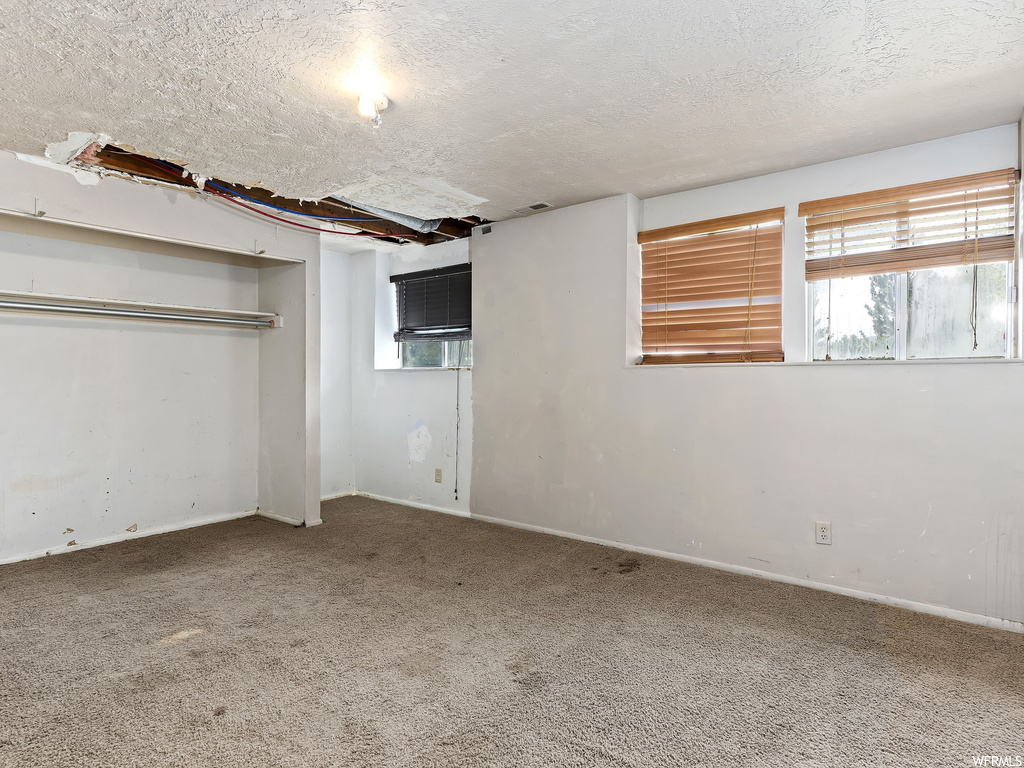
(371, 105)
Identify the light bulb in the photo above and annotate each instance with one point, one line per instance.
(371, 105)
(367, 106)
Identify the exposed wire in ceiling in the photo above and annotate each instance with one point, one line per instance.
(229, 195)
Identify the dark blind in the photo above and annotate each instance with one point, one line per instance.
(435, 305)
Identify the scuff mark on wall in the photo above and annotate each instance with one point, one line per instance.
(40, 483)
(419, 442)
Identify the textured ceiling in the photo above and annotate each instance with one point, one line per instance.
(511, 101)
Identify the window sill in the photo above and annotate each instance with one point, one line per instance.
(844, 363)
(431, 368)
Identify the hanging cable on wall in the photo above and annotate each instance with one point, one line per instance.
(458, 416)
(974, 283)
(828, 330)
(967, 260)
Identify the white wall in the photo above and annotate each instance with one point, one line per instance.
(110, 425)
(336, 438)
(106, 424)
(916, 465)
(404, 421)
(289, 376)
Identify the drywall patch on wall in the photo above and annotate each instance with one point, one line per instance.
(419, 442)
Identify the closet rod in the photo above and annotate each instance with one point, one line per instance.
(73, 309)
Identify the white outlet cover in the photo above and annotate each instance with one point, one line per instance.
(823, 533)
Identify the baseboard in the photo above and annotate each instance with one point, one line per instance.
(407, 503)
(126, 535)
(339, 495)
(280, 518)
(933, 610)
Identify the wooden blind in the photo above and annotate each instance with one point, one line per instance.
(712, 290)
(968, 219)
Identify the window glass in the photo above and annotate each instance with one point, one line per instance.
(437, 354)
(422, 354)
(861, 315)
(939, 312)
(946, 246)
(460, 354)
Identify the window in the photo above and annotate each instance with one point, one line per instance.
(437, 354)
(712, 290)
(435, 317)
(916, 272)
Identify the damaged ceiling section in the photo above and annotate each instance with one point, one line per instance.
(331, 215)
(486, 107)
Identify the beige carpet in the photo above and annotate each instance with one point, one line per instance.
(395, 637)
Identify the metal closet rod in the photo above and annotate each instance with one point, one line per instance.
(76, 309)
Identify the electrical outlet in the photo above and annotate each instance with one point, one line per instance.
(823, 533)
(437, 475)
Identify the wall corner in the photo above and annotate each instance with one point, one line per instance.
(633, 345)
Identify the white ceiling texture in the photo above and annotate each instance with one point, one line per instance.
(498, 104)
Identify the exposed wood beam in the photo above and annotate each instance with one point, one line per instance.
(136, 165)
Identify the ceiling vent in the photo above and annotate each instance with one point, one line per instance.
(534, 208)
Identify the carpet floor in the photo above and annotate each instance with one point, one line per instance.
(391, 636)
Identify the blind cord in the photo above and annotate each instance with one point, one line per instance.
(974, 299)
(828, 329)
(751, 272)
(663, 248)
(400, 307)
(974, 286)
(458, 416)
(966, 261)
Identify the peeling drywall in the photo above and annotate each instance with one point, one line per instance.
(413, 196)
(86, 178)
(513, 102)
(63, 152)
